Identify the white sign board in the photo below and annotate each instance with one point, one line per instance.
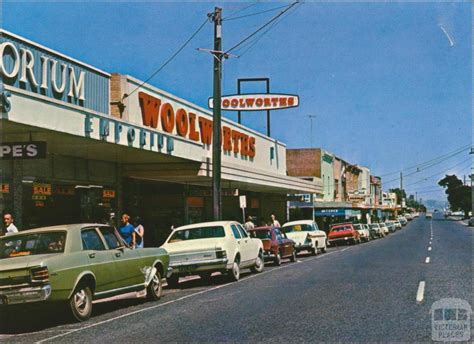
(256, 102)
(243, 202)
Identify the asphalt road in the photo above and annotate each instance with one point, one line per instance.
(362, 293)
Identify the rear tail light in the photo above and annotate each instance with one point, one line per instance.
(40, 274)
(221, 254)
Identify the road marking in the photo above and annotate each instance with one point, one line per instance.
(429, 248)
(183, 298)
(420, 293)
(430, 242)
(427, 260)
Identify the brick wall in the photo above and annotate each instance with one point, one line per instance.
(303, 162)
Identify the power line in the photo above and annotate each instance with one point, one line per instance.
(436, 174)
(171, 58)
(239, 11)
(420, 165)
(254, 14)
(262, 27)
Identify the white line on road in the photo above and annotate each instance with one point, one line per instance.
(427, 260)
(183, 298)
(420, 293)
(429, 248)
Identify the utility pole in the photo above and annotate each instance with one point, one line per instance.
(216, 112)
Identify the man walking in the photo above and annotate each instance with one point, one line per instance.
(10, 228)
(127, 231)
(249, 225)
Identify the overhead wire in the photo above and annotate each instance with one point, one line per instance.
(254, 14)
(262, 27)
(239, 11)
(170, 58)
(438, 173)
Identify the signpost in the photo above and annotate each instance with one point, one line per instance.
(243, 205)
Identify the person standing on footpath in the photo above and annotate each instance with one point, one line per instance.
(139, 232)
(127, 231)
(274, 222)
(249, 225)
(10, 228)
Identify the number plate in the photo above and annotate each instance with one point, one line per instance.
(187, 268)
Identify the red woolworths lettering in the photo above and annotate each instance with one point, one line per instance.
(206, 130)
(150, 107)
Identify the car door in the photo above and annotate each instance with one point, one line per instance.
(246, 246)
(101, 260)
(283, 242)
(128, 261)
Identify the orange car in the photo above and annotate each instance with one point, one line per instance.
(343, 233)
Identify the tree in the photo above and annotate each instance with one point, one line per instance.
(459, 195)
(401, 195)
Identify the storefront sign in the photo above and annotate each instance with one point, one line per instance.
(186, 124)
(108, 193)
(38, 198)
(4, 188)
(36, 69)
(330, 212)
(41, 189)
(65, 190)
(23, 150)
(256, 102)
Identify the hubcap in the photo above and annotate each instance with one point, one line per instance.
(80, 299)
(156, 284)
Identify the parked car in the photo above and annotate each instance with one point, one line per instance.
(428, 215)
(384, 228)
(76, 264)
(397, 224)
(376, 231)
(306, 235)
(363, 231)
(409, 216)
(343, 233)
(276, 245)
(391, 226)
(402, 220)
(204, 248)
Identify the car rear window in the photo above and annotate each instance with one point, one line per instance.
(31, 244)
(261, 234)
(198, 233)
(341, 228)
(299, 228)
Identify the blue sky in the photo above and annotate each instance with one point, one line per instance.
(388, 88)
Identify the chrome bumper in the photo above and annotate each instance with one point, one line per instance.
(189, 266)
(24, 295)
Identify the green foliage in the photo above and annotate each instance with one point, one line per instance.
(459, 195)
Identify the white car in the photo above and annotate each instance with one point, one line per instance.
(306, 235)
(204, 248)
(384, 228)
(363, 231)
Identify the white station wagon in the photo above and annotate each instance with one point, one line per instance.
(204, 248)
(306, 235)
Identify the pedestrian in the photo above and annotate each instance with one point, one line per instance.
(249, 225)
(139, 232)
(127, 231)
(10, 228)
(274, 222)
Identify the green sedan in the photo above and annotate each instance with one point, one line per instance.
(76, 264)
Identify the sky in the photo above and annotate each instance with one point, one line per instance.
(389, 83)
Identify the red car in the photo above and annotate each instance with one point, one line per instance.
(275, 244)
(343, 233)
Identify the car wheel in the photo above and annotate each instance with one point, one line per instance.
(173, 281)
(80, 303)
(153, 290)
(324, 249)
(259, 263)
(277, 259)
(234, 273)
(293, 256)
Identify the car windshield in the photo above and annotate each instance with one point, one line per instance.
(374, 226)
(342, 228)
(30, 244)
(261, 234)
(298, 228)
(197, 233)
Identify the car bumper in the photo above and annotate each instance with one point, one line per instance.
(25, 295)
(304, 247)
(198, 266)
(342, 239)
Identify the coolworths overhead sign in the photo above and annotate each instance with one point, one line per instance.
(256, 102)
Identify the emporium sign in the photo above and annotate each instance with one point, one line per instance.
(256, 102)
(43, 72)
(159, 113)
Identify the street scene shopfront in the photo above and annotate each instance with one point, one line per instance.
(82, 145)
